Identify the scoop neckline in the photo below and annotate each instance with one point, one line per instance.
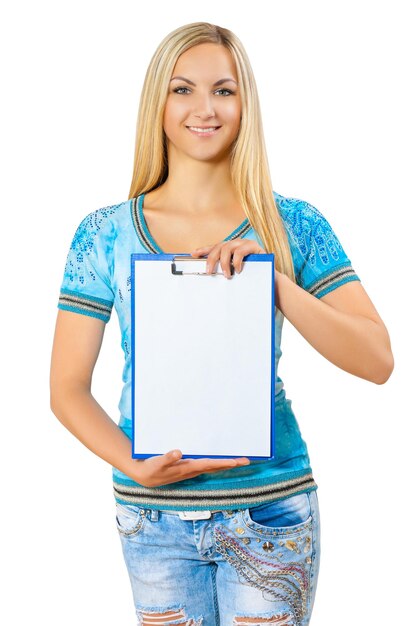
(153, 241)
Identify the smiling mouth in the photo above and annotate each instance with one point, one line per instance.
(201, 130)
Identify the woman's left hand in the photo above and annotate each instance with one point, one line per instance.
(224, 251)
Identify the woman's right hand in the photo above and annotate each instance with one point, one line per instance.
(167, 468)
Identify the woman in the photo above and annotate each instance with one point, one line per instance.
(210, 541)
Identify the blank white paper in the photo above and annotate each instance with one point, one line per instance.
(203, 359)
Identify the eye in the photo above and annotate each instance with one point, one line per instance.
(229, 91)
(178, 90)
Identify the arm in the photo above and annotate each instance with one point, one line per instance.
(76, 347)
(343, 326)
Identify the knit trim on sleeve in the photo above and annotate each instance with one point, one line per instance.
(336, 277)
(84, 304)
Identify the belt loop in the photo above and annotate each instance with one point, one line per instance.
(154, 515)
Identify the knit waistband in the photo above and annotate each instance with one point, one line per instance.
(229, 497)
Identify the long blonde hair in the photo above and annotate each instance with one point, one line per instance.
(249, 163)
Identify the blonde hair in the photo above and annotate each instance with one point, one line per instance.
(249, 163)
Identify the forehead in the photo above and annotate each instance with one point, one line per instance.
(206, 59)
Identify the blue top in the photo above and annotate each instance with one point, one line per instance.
(97, 277)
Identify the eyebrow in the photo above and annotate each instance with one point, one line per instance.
(190, 82)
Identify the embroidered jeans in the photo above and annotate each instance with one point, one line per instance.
(252, 565)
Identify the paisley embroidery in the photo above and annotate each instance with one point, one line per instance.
(83, 244)
(320, 262)
(307, 226)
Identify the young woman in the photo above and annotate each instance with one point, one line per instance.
(210, 541)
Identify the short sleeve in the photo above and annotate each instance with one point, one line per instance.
(320, 262)
(86, 284)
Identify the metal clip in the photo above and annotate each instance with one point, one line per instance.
(178, 260)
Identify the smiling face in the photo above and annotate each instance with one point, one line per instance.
(202, 98)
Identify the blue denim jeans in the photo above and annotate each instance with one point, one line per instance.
(252, 565)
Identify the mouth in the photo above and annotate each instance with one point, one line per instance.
(203, 131)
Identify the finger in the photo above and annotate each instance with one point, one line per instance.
(220, 469)
(188, 468)
(198, 465)
(237, 260)
(205, 463)
(222, 251)
(171, 457)
(209, 462)
(238, 248)
(199, 251)
(248, 247)
(213, 257)
(226, 260)
(226, 467)
(225, 463)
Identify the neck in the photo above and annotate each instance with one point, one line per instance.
(198, 186)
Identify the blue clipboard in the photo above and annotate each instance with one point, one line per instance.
(203, 357)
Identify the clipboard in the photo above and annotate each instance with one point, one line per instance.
(203, 357)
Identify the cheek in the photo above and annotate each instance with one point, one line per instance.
(172, 124)
(169, 118)
(175, 112)
(231, 114)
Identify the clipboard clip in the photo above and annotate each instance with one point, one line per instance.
(179, 272)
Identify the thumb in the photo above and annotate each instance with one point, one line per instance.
(173, 455)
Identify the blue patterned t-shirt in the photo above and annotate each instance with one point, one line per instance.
(97, 278)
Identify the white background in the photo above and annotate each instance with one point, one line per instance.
(336, 82)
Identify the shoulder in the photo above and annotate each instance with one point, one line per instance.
(87, 285)
(294, 210)
(307, 226)
(321, 264)
(101, 224)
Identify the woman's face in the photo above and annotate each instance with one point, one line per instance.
(195, 100)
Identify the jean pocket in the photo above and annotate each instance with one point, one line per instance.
(129, 519)
(271, 548)
(292, 514)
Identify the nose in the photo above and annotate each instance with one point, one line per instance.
(204, 107)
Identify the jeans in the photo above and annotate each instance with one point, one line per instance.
(236, 567)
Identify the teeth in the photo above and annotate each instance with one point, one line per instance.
(203, 130)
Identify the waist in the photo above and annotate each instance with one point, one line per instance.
(229, 496)
(192, 515)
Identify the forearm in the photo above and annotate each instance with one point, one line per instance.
(81, 414)
(354, 343)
